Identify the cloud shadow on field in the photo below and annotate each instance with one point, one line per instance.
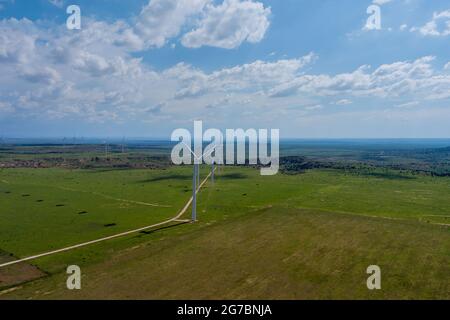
(150, 231)
(232, 176)
(168, 177)
(389, 176)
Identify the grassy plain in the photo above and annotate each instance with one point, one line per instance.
(288, 236)
(45, 209)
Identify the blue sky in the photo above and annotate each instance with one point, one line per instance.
(143, 68)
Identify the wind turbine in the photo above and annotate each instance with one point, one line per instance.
(196, 179)
(64, 149)
(106, 149)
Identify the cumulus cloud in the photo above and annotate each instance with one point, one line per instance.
(94, 64)
(408, 104)
(388, 80)
(57, 3)
(226, 25)
(53, 72)
(447, 66)
(256, 76)
(44, 75)
(229, 25)
(93, 75)
(314, 107)
(5, 107)
(381, 2)
(17, 40)
(439, 25)
(343, 102)
(161, 20)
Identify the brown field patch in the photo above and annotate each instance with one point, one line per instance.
(18, 273)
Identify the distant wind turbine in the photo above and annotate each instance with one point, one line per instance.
(123, 144)
(64, 149)
(106, 149)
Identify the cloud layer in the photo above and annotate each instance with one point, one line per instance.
(95, 75)
(92, 75)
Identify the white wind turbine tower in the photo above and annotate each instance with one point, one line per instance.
(106, 149)
(64, 149)
(196, 179)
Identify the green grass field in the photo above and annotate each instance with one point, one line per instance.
(51, 208)
(286, 236)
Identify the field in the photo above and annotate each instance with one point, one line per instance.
(309, 235)
(58, 207)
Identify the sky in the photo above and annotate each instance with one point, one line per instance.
(140, 68)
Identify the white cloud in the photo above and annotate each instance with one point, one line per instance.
(161, 20)
(43, 75)
(381, 2)
(438, 26)
(226, 25)
(17, 40)
(5, 107)
(314, 107)
(5, 3)
(408, 104)
(51, 71)
(57, 3)
(343, 102)
(229, 25)
(388, 80)
(258, 75)
(94, 64)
